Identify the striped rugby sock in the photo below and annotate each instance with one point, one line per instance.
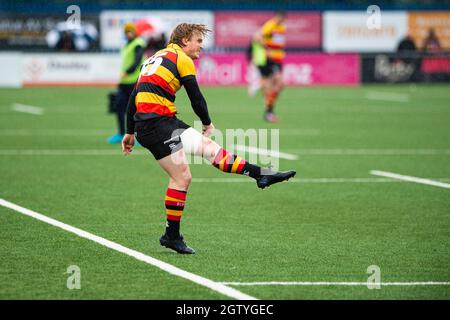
(271, 98)
(227, 162)
(174, 201)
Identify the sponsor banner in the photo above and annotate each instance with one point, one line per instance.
(350, 32)
(19, 31)
(436, 64)
(298, 69)
(70, 69)
(216, 69)
(235, 29)
(321, 69)
(400, 68)
(420, 24)
(112, 22)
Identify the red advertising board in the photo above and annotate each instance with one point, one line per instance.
(436, 64)
(235, 29)
(298, 69)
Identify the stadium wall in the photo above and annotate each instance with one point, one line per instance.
(324, 48)
(213, 69)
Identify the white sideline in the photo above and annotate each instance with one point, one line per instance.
(410, 179)
(370, 152)
(215, 286)
(28, 109)
(297, 152)
(265, 152)
(322, 283)
(305, 180)
(387, 96)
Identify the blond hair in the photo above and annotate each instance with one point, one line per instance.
(185, 31)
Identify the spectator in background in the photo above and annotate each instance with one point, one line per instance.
(406, 49)
(408, 57)
(406, 44)
(431, 43)
(65, 42)
(132, 55)
(154, 44)
(272, 38)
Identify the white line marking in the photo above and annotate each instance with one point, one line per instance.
(410, 179)
(100, 132)
(322, 283)
(28, 109)
(369, 152)
(300, 132)
(215, 286)
(300, 152)
(306, 180)
(68, 152)
(52, 132)
(387, 96)
(265, 152)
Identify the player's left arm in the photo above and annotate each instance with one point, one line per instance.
(198, 102)
(186, 70)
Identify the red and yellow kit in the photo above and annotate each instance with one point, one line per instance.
(162, 75)
(274, 39)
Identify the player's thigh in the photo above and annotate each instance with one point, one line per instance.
(176, 166)
(278, 80)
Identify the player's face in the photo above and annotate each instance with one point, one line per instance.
(194, 46)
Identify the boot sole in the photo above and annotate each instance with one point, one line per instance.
(164, 244)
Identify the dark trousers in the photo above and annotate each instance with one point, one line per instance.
(123, 95)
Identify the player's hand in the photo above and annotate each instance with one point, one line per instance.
(127, 143)
(208, 130)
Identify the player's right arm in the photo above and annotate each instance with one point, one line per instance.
(128, 139)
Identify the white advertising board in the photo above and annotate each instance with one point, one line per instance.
(112, 22)
(70, 69)
(11, 69)
(353, 31)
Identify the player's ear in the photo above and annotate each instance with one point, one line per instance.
(185, 41)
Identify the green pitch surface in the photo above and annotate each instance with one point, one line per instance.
(315, 233)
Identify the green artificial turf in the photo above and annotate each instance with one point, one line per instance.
(305, 230)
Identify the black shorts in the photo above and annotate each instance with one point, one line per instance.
(271, 67)
(161, 136)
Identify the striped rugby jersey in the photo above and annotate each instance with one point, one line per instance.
(274, 38)
(162, 75)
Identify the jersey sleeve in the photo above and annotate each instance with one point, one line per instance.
(267, 29)
(186, 67)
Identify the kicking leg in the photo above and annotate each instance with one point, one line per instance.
(195, 143)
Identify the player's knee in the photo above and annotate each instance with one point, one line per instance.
(209, 148)
(185, 179)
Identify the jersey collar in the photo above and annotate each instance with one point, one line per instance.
(174, 46)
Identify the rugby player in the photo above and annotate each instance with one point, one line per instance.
(151, 119)
(272, 37)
